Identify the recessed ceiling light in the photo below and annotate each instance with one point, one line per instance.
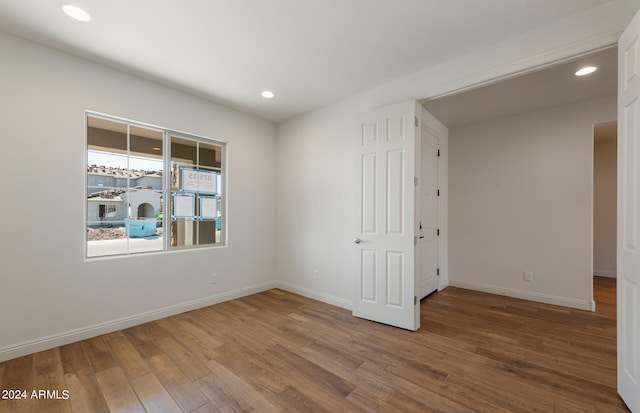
(267, 94)
(75, 12)
(586, 70)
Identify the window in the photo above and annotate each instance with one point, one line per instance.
(133, 206)
(107, 211)
(195, 192)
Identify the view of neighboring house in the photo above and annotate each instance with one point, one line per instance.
(108, 196)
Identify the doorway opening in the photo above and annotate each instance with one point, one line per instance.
(510, 143)
(605, 167)
(431, 197)
(146, 210)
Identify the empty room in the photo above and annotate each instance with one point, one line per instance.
(281, 206)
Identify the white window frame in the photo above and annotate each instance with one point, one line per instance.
(167, 192)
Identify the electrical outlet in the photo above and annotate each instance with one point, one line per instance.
(316, 275)
(214, 278)
(528, 276)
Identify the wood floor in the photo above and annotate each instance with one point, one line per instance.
(277, 351)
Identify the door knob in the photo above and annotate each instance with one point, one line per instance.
(357, 240)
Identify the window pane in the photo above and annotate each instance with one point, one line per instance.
(106, 155)
(145, 142)
(144, 235)
(106, 238)
(145, 158)
(207, 233)
(183, 232)
(124, 188)
(106, 135)
(210, 155)
(183, 151)
(106, 179)
(144, 197)
(183, 154)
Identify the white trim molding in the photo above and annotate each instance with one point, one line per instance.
(586, 305)
(315, 295)
(605, 273)
(55, 340)
(521, 67)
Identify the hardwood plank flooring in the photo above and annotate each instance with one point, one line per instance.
(280, 352)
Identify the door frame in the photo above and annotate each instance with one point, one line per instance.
(433, 125)
(522, 67)
(500, 74)
(597, 271)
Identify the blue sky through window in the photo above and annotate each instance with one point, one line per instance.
(115, 160)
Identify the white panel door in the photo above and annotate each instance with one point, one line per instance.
(428, 226)
(628, 284)
(384, 240)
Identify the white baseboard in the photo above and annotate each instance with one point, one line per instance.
(604, 273)
(587, 305)
(444, 285)
(55, 340)
(325, 298)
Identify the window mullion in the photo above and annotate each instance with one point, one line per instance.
(197, 221)
(166, 191)
(128, 193)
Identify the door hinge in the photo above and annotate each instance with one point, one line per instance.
(416, 120)
(438, 271)
(438, 232)
(415, 181)
(438, 152)
(415, 300)
(438, 192)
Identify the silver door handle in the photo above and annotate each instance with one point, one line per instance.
(357, 240)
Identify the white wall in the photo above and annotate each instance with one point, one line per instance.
(604, 207)
(520, 199)
(49, 293)
(316, 211)
(315, 206)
